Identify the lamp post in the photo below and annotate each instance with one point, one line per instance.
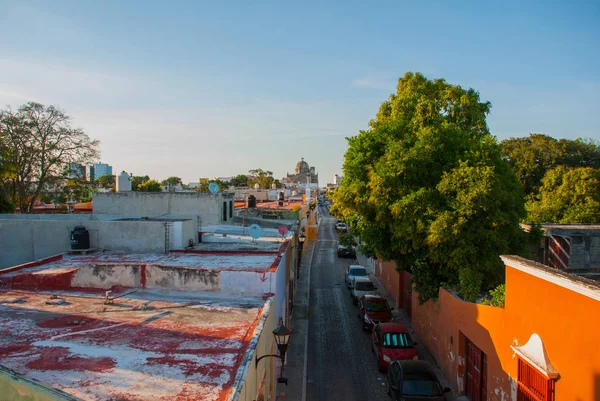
(282, 337)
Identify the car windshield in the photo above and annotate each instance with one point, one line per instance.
(364, 286)
(397, 340)
(420, 386)
(358, 272)
(377, 306)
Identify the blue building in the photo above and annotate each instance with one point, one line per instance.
(102, 169)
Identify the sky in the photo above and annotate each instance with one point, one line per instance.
(203, 89)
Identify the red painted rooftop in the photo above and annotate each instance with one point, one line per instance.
(147, 345)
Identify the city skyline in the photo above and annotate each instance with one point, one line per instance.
(196, 90)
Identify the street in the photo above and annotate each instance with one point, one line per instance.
(341, 365)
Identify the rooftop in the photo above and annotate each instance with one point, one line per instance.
(163, 345)
(239, 261)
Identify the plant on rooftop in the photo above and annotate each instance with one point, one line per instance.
(497, 297)
(426, 186)
(150, 186)
(41, 141)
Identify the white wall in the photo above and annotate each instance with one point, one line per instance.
(281, 290)
(182, 279)
(28, 239)
(247, 283)
(106, 276)
(179, 204)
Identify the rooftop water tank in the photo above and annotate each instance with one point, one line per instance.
(80, 238)
(123, 182)
(251, 201)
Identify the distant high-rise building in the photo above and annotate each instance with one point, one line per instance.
(102, 169)
(90, 173)
(74, 170)
(337, 179)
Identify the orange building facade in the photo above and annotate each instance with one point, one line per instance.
(543, 345)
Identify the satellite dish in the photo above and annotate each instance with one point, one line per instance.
(283, 230)
(255, 231)
(213, 187)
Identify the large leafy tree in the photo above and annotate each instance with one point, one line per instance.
(240, 180)
(532, 156)
(136, 180)
(41, 141)
(150, 186)
(426, 186)
(106, 180)
(567, 196)
(263, 178)
(172, 181)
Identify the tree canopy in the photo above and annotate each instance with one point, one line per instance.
(531, 157)
(426, 186)
(136, 180)
(567, 196)
(41, 141)
(240, 180)
(172, 182)
(150, 186)
(106, 180)
(263, 178)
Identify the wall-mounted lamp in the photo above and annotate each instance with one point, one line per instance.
(282, 337)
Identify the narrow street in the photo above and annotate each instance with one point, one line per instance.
(341, 365)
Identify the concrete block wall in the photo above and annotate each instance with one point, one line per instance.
(178, 204)
(25, 240)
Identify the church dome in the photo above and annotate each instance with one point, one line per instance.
(302, 167)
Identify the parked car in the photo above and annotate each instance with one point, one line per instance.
(341, 227)
(414, 381)
(353, 271)
(345, 251)
(392, 342)
(361, 286)
(373, 309)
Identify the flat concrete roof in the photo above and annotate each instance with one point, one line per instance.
(157, 345)
(207, 260)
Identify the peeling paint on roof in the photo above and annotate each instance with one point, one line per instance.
(147, 345)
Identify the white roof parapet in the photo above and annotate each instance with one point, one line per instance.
(535, 354)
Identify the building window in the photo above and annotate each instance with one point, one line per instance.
(476, 372)
(533, 385)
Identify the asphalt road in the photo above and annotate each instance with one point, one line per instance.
(341, 365)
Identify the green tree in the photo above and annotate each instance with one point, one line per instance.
(531, 157)
(136, 180)
(240, 180)
(426, 186)
(6, 170)
(567, 196)
(41, 141)
(261, 177)
(150, 186)
(106, 180)
(172, 182)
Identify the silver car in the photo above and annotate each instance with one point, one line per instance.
(354, 271)
(361, 286)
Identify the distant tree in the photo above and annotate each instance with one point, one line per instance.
(106, 180)
(261, 177)
(41, 141)
(172, 182)
(567, 196)
(531, 157)
(6, 170)
(426, 186)
(150, 186)
(240, 180)
(136, 180)
(73, 189)
(223, 186)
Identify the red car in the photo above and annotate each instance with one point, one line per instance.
(391, 342)
(374, 309)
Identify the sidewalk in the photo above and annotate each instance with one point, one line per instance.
(297, 348)
(400, 317)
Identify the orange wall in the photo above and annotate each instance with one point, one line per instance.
(389, 277)
(567, 322)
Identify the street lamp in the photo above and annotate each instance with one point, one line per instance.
(282, 337)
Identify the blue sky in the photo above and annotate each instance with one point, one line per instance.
(202, 89)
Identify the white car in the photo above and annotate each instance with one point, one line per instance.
(354, 271)
(361, 286)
